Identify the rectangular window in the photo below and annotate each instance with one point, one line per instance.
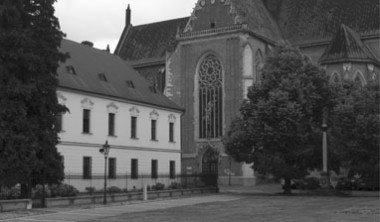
(154, 169)
(153, 129)
(86, 121)
(112, 168)
(171, 132)
(58, 123)
(172, 169)
(87, 167)
(133, 127)
(111, 124)
(134, 169)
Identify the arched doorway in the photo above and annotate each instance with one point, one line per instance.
(210, 167)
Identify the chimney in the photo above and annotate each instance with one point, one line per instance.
(128, 16)
(88, 43)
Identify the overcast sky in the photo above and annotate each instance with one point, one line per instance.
(102, 21)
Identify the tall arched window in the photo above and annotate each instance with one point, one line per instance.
(258, 65)
(210, 80)
(359, 79)
(248, 75)
(335, 78)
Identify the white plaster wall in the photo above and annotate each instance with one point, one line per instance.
(72, 124)
(74, 145)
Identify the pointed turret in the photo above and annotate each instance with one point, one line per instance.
(346, 46)
(128, 16)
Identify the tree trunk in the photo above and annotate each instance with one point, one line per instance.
(287, 186)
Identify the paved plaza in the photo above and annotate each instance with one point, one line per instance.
(229, 207)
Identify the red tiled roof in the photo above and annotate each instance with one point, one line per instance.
(258, 19)
(346, 46)
(150, 40)
(102, 73)
(304, 21)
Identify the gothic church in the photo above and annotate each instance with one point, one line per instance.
(206, 62)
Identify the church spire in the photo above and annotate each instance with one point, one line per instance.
(128, 16)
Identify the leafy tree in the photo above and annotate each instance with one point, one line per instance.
(355, 128)
(280, 124)
(29, 40)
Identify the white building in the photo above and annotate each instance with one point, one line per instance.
(109, 101)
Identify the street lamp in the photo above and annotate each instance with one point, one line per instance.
(325, 174)
(105, 150)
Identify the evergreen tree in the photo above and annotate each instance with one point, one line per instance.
(29, 57)
(280, 124)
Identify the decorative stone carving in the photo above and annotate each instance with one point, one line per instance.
(87, 103)
(346, 67)
(154, 115)
(134, 111)
(61, 99)
(172, 118)
(112, 108)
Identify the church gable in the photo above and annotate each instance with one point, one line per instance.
(210, 14)
(214, 14)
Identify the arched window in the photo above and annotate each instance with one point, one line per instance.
(359, 79)
(258, 65)
(248, 75)
(335, 78)
(210, 82)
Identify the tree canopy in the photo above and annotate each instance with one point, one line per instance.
(355, 128)
(29, 57)
(280, 124)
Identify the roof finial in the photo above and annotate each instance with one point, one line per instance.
(128, 16)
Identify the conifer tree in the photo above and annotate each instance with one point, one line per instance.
(30, 37)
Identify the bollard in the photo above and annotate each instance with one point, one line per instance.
(145, 192)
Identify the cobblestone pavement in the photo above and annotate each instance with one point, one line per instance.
(90, 213)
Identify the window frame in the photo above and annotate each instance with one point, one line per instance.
(154, 169)
(112, 168)
(153, 130)
(134, 127)
(86, 124)
(87, 168)
(111, 124)
(172, 172)
(134, 168)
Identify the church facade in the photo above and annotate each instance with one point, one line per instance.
(206, 62)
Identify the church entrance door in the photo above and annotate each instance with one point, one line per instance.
(210, 168)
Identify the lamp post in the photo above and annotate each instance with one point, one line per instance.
(325, 174)
(105, 150)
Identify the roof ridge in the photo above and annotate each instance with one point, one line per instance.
(163, 21)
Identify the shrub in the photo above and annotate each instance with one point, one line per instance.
(10, 193)
(90, 190)
(37, 191)
(158, 186)
(63, 190)
(175, 185)
(114, 189)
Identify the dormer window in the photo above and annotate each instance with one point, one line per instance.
(102, 77)
(130, 84)
(70, 69)
(153, 89)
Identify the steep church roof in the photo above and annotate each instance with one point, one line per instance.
(150, 41)
(346, 46)
(305, 21)
(224, 13)
(98, 72)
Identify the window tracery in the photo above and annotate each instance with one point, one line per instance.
(210, 98)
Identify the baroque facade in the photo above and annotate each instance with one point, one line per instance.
(205, 62)
(109, 101)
